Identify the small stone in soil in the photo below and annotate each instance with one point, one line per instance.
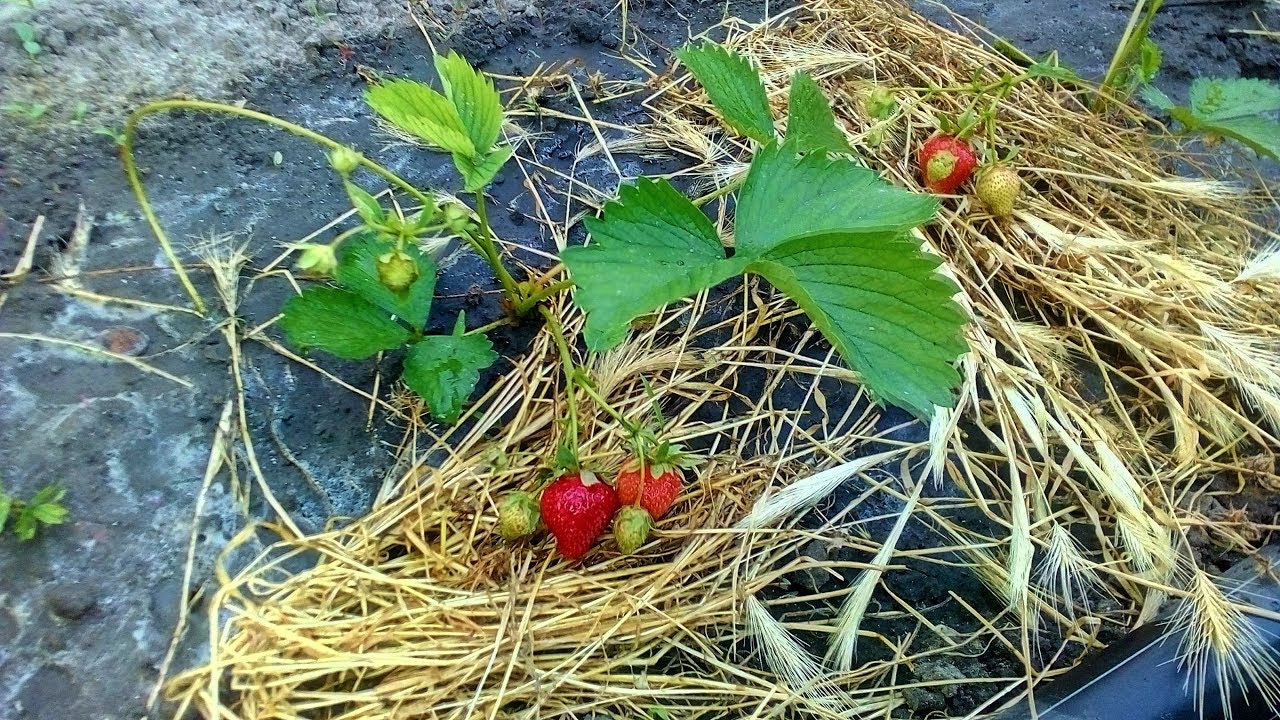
(124, 340)
(813, 578)
(70, 601)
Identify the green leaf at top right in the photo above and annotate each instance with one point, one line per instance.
(1235, 108)
(1217, 99)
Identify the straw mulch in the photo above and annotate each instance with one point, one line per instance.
(1123, 385)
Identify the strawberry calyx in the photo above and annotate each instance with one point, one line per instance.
(659, 457)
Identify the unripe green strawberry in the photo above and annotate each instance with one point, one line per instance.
(880, 103)
(397, 271)
(998, 188)
(631, 528)
(517, 515)
(344, 160)
(316, 260)
(456, 217)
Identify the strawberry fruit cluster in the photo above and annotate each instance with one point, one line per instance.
(578, 506)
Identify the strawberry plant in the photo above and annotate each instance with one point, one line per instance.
(385, 282)
(827, 232)
(381, 303)
(819, 227)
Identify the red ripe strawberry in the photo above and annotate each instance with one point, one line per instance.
(576, 509)
(655, 488)
(946, 161)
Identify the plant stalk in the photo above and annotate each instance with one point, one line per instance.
(532, 299)
(720, 191)
(490, 253)
(585, 383)
(135, 181)
(570, 373)
(488, 326)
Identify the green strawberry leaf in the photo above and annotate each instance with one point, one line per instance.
(1052, 71)
(478, 105)
(650, 247)
(810, 122)
(787, 195)
(366, 205)
(883, 306)
(1157, 98)
(422, 112)
(340, 323)
(358, 272)
(1150, 58)
(1257, 133)
(829, 234)
(1218, 99)
(479, 172)
(444, 370)
(1228, 108)
(6, 504)
(734, 86)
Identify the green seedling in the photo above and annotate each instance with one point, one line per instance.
(80, 112)
(317, 14)
(28, 111)
(27, 36)
(1235, 109)
(1137, 57)
(26, 517)
(115, 134)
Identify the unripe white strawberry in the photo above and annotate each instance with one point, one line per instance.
(998, 188)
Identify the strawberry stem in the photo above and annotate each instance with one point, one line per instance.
(585, 383)
(570, 373)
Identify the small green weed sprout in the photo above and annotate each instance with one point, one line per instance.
(27, 111)
(25, 517)
(26, 33)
